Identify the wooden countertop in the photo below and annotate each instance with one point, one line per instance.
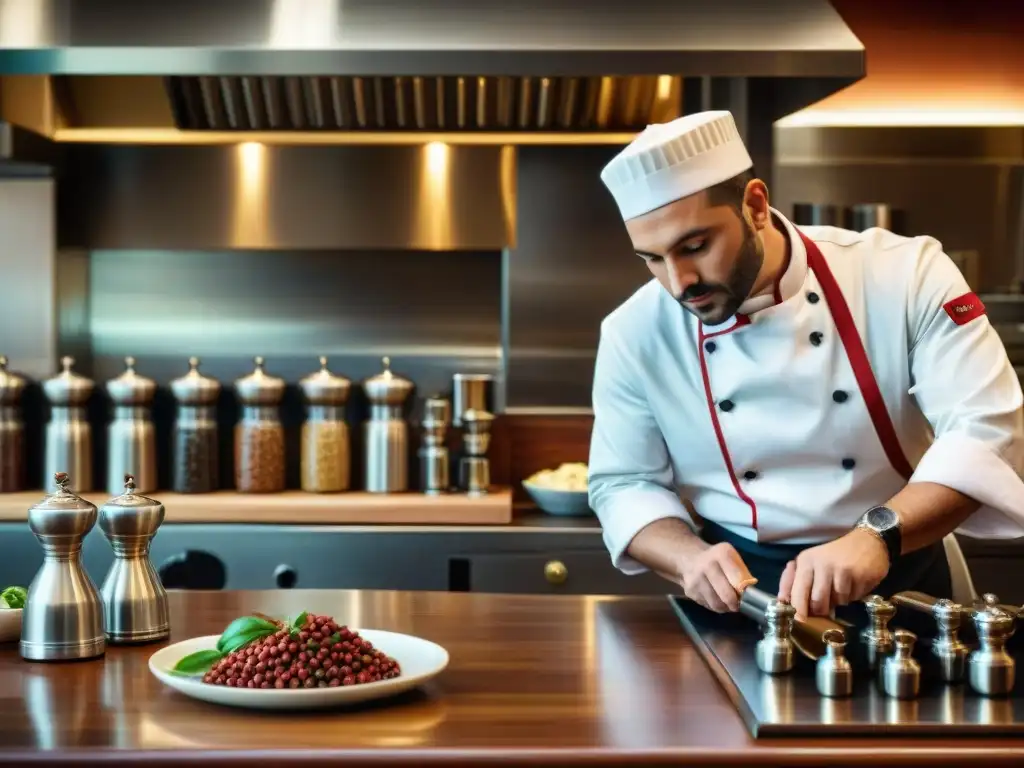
(551, 680)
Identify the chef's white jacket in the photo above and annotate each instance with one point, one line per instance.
(762, 424)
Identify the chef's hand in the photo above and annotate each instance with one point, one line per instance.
(836, 573)
(716, 577)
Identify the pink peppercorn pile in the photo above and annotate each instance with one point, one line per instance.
(320, 654)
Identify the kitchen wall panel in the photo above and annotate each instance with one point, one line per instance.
(573, 264)
(962, 185)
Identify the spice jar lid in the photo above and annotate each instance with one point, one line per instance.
(62, 513)
(194, 388)
(131, 388)
(11, 384)
(130, 514)
(387, 388)
(259, 387)
(325, 388)
(68, 387)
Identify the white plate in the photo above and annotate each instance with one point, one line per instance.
(419, 659)
(10, 625)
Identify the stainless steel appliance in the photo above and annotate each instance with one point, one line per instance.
(68, 433)
(326, 460)
(12, 430)
(196, 435)
(435, 464)
(63, 615)
(259, 435)
(131, 437)
(386, 432)
(134, 601)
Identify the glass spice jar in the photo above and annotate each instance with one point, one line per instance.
(259, 435)
(12, 431)
(326, 455)
(196, 450)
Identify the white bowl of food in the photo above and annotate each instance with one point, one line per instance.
(11, 601)
(561, 491)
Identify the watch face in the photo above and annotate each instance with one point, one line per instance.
(881, 518)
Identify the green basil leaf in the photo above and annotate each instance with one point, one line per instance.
(245, 625)
(3, 603)
(197, 663)
(242, 639)
(14, 597)
(300, 620)
(335, 638)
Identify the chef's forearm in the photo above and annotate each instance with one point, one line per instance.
(928, 512)
(663, 545)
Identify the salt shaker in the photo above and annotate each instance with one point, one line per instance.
(325, 462)
(68, 433)
(833, 674)
(386, 432)
(63, 616)
(12, 431)
(131, 440)
(900, 672)
(774, 651)
(259, 436)
(196, 436)
(134, 600)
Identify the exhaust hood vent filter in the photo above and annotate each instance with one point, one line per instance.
(330, 103)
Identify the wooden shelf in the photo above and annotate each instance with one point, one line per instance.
(300, 508)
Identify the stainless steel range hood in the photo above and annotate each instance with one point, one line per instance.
(398, 66)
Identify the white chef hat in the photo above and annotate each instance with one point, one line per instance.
(670, 161)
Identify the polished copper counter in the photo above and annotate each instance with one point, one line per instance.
(553, 680)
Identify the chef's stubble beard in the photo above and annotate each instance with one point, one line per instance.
(741, 280)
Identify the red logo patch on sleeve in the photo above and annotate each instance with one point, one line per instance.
(964, 308)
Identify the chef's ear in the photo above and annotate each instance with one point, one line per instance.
(755, 201)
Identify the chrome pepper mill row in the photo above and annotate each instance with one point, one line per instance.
(65, 617)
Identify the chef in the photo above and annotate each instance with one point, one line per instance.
(805, 408)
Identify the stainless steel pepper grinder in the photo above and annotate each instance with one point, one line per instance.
(877, 637)
(435, 465)
(833, 674)
(900, 672)
(131, 441)
(386, 432)
(63, 616)
(991, 670)
(474, 467)
(68, 432)
(134, 599)
(949, 652)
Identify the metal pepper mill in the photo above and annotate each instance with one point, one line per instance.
(134, 599)
(877, 637)
(991, 670)
(435, 471)
(833, 673)
(63, 616)
(474, 467)
(774, 651)
(900, 673)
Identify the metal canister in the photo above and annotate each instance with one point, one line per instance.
(131, 438)
(196, 437)
(134, 600)
(63, 616)
(435, 463)
(326, 458)
(68, 432)
(386, 432)
(12, 431)
(471, 391)
(259, 435)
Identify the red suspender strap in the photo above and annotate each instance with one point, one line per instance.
(858, 358)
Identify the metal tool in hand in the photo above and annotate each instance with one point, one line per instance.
(806, 633)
